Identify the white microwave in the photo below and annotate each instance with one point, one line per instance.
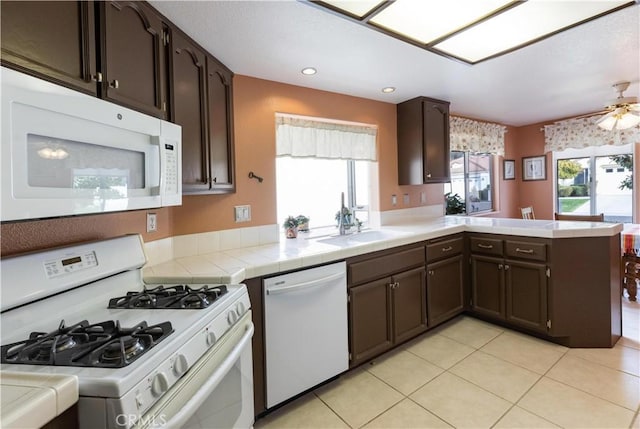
(66, 153)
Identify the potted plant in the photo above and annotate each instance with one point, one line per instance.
(346, 218)
(455, 204)
(291, 227)
(303, 223)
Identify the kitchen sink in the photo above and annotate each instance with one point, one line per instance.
(367, 236)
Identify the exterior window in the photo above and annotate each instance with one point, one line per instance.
(471, 179)
(312, 187)
(595, 180)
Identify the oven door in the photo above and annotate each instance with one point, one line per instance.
(217, 392)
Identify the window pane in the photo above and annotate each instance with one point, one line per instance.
(311, 187)
(479, 183)
(457, 173)
(574, 176)
(613, 192)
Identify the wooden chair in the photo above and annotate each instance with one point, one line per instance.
(527, 213)
(631, 274)
(589, 218)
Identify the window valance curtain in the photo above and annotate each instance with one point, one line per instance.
(468, 135)
(304, 137)
(577, 133)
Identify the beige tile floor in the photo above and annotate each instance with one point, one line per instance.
(472, 374)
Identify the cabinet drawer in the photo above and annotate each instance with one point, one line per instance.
(524, 250)
(444, 249)
(383, 266)
(488, 246)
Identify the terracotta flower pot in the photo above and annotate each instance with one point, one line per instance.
(292, 232)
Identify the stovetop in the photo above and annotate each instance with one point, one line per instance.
(166, 297)
(102, 345)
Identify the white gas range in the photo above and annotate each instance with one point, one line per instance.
(188, 365)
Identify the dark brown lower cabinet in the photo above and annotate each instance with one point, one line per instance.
(487, 286)
(445, 289)
(386, 312)
(409, 298)
(526, 297)
(370, 320)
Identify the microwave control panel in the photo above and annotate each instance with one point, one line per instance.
(70, 264)
(171, 169)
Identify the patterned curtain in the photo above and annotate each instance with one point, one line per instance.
(583, 132)
(468, 135)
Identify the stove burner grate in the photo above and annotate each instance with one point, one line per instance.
(104, 344)
(172, 297)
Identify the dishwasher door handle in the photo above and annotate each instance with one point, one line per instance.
(304, 285)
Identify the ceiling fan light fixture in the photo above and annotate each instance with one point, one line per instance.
(628, 120)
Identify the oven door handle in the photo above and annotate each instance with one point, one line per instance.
(181, 417)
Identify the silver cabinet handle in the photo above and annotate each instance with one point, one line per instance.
(506, 267)
(431, 272)
(114, 84)
(97, 77)
(527, 251)
(447, 249)
(428, 175)
(500, 266)
(485, 246)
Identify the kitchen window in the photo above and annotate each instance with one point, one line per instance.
(471, 180)
(316, 161)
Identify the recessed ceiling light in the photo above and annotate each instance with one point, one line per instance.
(309, 71)
(388, 89)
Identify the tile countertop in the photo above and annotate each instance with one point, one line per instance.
(236, 265)
(32, 400)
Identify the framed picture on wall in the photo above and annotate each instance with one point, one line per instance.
(534, 168)
(509, 169)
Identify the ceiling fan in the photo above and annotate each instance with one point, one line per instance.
(622, 112)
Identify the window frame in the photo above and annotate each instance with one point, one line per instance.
(466, 175)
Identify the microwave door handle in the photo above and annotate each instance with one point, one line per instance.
(162, 159)
(182, 416)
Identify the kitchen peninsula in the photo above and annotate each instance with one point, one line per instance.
(579, 263)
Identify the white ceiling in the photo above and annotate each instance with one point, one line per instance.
(565, 75)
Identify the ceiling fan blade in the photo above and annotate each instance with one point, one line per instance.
(634, 107)
(588, 115)
(605, 117)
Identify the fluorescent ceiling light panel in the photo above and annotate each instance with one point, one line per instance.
(425, 21)
(355, 7)
(521, 25)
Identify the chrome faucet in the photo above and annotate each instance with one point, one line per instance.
(341, 225)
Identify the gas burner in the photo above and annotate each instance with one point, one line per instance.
(103, 344)
(161, 297)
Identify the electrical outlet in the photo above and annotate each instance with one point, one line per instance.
(152, 222)
(405, 199)
(394, 200)
(242, 213)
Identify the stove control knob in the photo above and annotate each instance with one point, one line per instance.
(159, 384)
(232, 317)
(180, 365)
(210, 338)
(240, 309)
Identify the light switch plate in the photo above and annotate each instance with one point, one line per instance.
(242, 213)
(423, 198)
(405, 199)
(394, 200)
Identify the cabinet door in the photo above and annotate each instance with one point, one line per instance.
(526, 285)
(487, 286)
(54, 40)
(220, 123)
(133, 58)
(409, 304)
(369, 320)
(445, 281)
(188, 109)
(436, 141)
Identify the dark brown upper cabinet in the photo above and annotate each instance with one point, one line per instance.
(133, 56)
(188, 109)
(423, 141)
(220, 123)
(201, 94)
(53, 40)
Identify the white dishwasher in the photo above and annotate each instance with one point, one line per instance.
(306, 333)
